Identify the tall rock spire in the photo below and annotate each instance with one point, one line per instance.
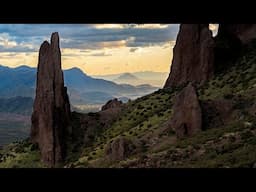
(51, 113)
(193, 59)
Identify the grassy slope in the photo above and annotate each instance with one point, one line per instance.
(232, 145)
(144, 121)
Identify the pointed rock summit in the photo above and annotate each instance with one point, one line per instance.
(51, 113)
(193, 59)
(113, 103)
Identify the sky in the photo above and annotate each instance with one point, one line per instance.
(97, 49)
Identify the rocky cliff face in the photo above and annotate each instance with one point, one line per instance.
(229, 42)
(51, 113)
(187, 116)
(243, 32)
(193, 57)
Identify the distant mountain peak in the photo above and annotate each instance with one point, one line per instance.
(75, 70)
(24, 67)
(127, 76)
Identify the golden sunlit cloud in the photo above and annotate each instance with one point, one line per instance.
(108, 26)
(96, 52)
(137, 26)
(151, 26)
(214, 28)
(110, 60)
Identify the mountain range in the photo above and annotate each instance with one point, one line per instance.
(82, 88)
(137, 78)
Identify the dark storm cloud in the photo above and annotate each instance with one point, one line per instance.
(84, 36)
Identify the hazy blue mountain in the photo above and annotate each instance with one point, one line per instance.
(82, 88)
(127, 76)
(17, 82)
(17, 105)
(144, 77)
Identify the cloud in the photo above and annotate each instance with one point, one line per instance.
(8, 44)
(151, 26)
(109, 26)
(28, 37)
(133, 49)
(101, 54)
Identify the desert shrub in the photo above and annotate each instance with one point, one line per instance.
(247, 134)
(160, 114)
(140, 107)
(228, 96)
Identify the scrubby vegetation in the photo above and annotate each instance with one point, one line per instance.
(20, 155)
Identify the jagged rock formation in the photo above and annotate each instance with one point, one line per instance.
(243, 32)
(229, 43)
(119, 149)
(113, 103)
(187, 116)
(193, 57)
(51, 113)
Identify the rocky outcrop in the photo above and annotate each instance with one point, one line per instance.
(113, 103)
(51, 112)
(187, 115)
(119, 149)
(218, 112)
(229, 42)
(243, 32)
(193, 57)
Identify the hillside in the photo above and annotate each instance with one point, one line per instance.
(142, 128)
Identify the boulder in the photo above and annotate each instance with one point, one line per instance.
(119, 149)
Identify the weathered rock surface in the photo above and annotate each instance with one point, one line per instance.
(244, 32)
(119, 149)
(51, 113)
(187, 115)
(229, 42)
(218, 112)
(193, 56)
(113, 103)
